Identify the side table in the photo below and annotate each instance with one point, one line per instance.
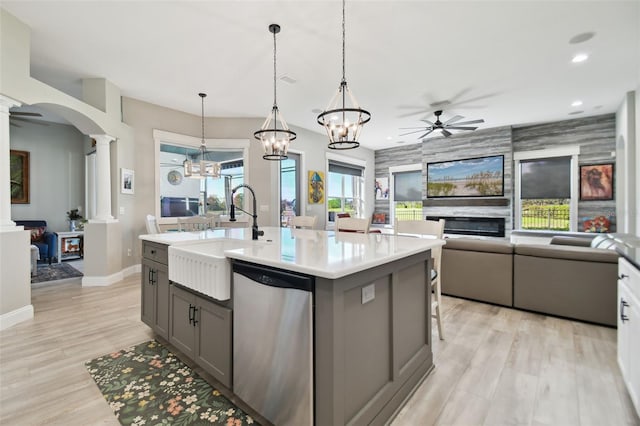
(70, 245)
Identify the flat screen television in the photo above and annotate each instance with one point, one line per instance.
(471, 177)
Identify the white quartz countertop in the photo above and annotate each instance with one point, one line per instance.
(320, 253)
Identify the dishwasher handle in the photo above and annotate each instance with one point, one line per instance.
(274, 278)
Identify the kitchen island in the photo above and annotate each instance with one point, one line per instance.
(357, 337)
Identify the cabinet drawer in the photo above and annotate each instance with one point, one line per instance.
(155, 252)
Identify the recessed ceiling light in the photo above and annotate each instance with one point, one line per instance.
(400, 142)
(575, 112)
(576, 103)
(580, 57)
(288, 79)
(581, 38)
(389, 138)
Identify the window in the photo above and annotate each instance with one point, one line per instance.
(345, 186)
(289, 188)
(406, 196)
(179, 196)
(545, 189)
(217, 190)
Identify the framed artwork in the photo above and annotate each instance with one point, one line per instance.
(127, 181)
(382, 188)
(19, 176)
(471, 177)
(596, 182)
(316, 187)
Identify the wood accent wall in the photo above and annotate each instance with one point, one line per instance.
(597, 139)
(595, 135)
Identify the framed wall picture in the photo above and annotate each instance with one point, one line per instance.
(596, 182)
(471, 177)
(316, 187)
(19, 176)
(127, 181)
(382, 188)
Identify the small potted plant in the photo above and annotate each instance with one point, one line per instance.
(73, 215)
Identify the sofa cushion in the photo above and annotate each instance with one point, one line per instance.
(491, 246)
(567, 252)
(571, 241)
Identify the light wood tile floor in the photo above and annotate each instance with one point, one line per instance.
(498, 366)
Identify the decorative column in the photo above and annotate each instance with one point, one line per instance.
(103, 178)
(15, 283)
(102, 235)
(5, 186)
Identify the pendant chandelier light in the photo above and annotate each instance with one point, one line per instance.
(203, 168)
(343, 118)
(274, 133)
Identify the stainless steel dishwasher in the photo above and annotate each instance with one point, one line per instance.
(273, 343)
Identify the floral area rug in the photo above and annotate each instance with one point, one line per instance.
(55, 272)
(148, 385)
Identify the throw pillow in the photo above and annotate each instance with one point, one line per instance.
(37, 233)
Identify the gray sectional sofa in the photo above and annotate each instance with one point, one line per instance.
(564, 278)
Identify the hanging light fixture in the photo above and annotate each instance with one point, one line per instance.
(274, 133)
(203, 168)
(343, 118)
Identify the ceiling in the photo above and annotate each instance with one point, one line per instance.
(507, 62)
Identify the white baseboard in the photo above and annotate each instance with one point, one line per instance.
(100, 281)
(14, 317)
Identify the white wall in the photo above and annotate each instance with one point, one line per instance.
(56, 158)
(626, 165)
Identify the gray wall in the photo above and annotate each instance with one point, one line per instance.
(594, 135)
(56, 155)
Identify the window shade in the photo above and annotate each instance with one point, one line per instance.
(345, 169)
(407, 186)
(545, 178)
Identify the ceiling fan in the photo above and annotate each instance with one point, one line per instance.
(453, 123)
(21, 116)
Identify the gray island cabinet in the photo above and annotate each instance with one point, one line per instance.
(155, 288)
(370, 319)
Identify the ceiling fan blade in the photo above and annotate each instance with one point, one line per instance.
(453, 119)
(415, 131)
(421, 137)
(27, 114)
(464, 123)
(461, 128)
(445, 133)
(409, 128)
(27, 120)
(430, 123)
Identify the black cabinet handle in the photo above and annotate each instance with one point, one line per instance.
(195, 321)
(153, 252)
(151, 280)
(623, 304)
(191, 313)
(623, 276)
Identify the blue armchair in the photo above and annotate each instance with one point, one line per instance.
(47, 242)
